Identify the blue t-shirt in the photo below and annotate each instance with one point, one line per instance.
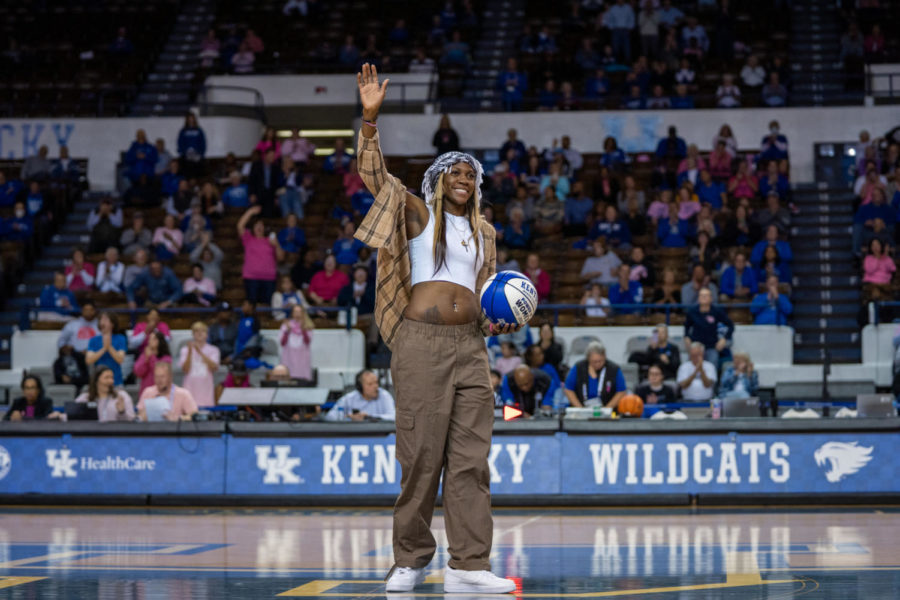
(346, 252)
(572, 377)
(119, 343)
(236, 196)
(34, 204)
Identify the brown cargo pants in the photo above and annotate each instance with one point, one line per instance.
(445, 416)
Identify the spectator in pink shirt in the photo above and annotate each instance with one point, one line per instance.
(138, 338)
(688, 205)
(298, 148)
(112, 404)
(199, 289)
(269, 141)
(743, 185)
(200, 360)
(261, 256)
(168, 239)
(659, 208)
(327, 283)
(720, 161)
(878, 267)
(692, 152)
(156, 350)
(254, 42)
(80, 274)
(539, 277)
(296, 341)
(165, 401)
(352, 180)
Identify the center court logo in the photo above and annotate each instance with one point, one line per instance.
(842, 458)
(278, 468)
(5, 462)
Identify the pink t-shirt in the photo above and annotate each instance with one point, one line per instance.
(658, 210)
(686, 210)
(259, 258)
(327, 287)
(180, 402)
(878, 270)
(82, 280)
(144, 366)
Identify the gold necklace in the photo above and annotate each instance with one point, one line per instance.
(465, 242)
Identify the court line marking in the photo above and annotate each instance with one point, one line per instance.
(8, 582)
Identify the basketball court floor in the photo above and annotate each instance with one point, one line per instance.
(61, 553)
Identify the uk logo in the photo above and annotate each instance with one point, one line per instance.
(62, 463)
(842, 459)
(5, 462)
(279, 469)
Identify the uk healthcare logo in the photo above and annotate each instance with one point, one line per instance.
(278, 468)
(62, 463)
(842, 458)
(5, 462)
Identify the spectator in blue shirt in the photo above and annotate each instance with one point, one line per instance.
(292, 238)
(9, 190)
(597, 86)
(141, 157)
(771, 239)
(517, 233)
(527, 389)
(774, 146)
(738, 282)
(613, 157)
(773, 180)
(619, 19)
(669, 16)
(171, 180)
(612, 228)
(709, 191)
(338, 161)
(740, 380)
(248, 343)
(865, 217)
(681, 99)
(626, 291)
(671, 146)
(513, 143)
(57, 298)
(535, 358)
(20, 226)
(634, 100)
(773, 264)
(512, 85)
(595, 381)
(108, 348)
(674, 232)
(162, 286)
(236, 195)
(578, 208)
(708, 325)
(34, 203)
(346, 248)
(549, 97)
(771, 307)
(191, 147)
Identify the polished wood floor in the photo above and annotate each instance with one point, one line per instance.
(552, 553)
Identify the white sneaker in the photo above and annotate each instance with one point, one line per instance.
(484, 582)
(404, 579)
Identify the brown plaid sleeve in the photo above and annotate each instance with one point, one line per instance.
(487, 269)
(381, 220)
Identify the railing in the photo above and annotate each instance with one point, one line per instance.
(620, 309)
(875, 314)
(403, 102)
(30, 313)
(255, 110)
(893, 85)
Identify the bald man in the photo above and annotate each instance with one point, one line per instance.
(527, 389)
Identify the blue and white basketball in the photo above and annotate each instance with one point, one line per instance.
(508, 298)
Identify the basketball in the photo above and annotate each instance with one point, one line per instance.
(631, 405)
(508, 297)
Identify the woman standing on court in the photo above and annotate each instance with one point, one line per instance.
(434, 255)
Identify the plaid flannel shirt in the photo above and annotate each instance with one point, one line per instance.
(384, 228)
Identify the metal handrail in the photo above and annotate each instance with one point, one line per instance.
(891, 93)
(643, 308)
(259, 105)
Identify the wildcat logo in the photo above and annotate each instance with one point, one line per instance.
(62, 463)
(842, 458)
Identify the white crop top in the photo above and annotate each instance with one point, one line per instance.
(460, 266)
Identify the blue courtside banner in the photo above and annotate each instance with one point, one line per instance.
(730, 464)
(112, 465)
(354, 465)
(560, 464)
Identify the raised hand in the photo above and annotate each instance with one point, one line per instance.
(371, 94)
